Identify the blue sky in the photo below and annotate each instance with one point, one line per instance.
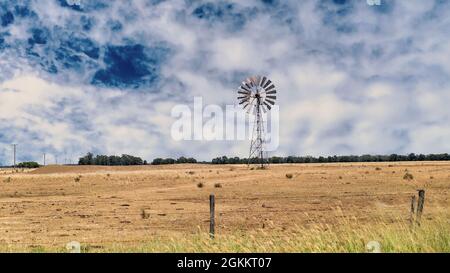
(103, 76)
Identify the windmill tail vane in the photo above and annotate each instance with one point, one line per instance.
(257, 95)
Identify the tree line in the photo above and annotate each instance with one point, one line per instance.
(180, 160)
(30, 165)
(334, 159)
(124, 160)
(112, 160)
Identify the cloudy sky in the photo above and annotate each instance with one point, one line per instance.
(103, 76)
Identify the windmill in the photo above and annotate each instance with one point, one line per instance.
(257, 95)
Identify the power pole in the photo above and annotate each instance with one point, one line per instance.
(44, 159)
(14, 148)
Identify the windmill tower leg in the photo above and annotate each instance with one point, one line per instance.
(260, 136)
(257, 142)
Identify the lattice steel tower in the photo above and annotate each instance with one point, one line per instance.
(257, 95)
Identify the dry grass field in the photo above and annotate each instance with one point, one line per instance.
(125, 208)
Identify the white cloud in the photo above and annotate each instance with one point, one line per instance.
(380, 88)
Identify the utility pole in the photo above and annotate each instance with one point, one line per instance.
(14, 148)
(56, 159)
(44, 159)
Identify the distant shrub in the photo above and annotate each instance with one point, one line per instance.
(200, 185)
(289, 175)
(408, 176)
(167, 161)
(113, 160)
(78, 178)
(145, 214)
(378, 169)
(30, 165)
(217, 185)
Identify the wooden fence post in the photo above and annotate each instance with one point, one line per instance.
(413, 210)
(420, 204)
(211, 215)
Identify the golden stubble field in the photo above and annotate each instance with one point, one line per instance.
(100, 206)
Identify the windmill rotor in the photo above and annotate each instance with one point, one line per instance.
(257, 95)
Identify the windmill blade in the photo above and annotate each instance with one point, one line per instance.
(267, 84)
(263, 108)
(251, 103)
(255, 80)
(248, 86)
(243, 97)
(267, 105)
(271, 102)
(263, 91)
(249, 108)
(262, 81)
(245, 89)
(272, 97)
(270, 87)
(243, 101)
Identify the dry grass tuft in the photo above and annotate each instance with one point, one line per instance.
(408, 176)
(145, 214)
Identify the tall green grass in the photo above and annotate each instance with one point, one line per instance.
(347, 236)
(400, 237)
